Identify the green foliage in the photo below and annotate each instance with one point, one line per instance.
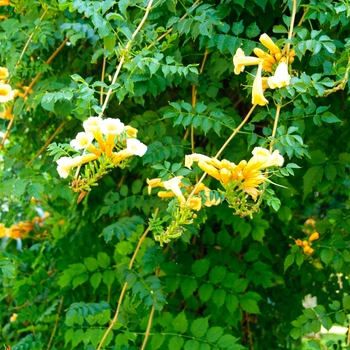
(202, 279)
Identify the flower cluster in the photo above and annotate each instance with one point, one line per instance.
(310, 230)
(306, 244)
(239, 180)
(22, 228)
(202, 195)
(7, 94)
(273, 62)
(108, 141)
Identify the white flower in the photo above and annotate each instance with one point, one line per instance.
(65, 164)
(112, 126)
(281, 77)
(174, 186)
(92, 124)
(262, 158)
(6, 93)
(136, 147)
(82, 140)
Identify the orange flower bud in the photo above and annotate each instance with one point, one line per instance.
(278, 56)
(299, 242)
(311, 250)
(314, 236)
(306, 249)
(305, 243)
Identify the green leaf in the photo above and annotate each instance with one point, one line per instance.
(295, 333)
(213, 334)
(95, 280)
(252, 30)
(231, 303)
(327, 255)
(249, 305)
(312, 177)
(91, 264)
(180, 323)
(219, 297)
(157, 340)
(103, 260)
(226, 341)
(191, 345)
(217, 274)
(108, 277)
(199, 327)
(205, 292)
(176, 343)
(200, 267)
(326, 322)
(288, 261)
(346, 302)
(340, 317)
(188, 286)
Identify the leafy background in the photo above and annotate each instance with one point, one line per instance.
(228, 282)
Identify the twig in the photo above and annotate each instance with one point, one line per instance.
(30, 87)
(102, 78)
(290, 34)
(275, 125)
(114, 320)
(42, 149)
(126, 50)
(239, 127)
(149, 325)
(30, 38)
(171, 29)
(56, 323)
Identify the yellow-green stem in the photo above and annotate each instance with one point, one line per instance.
(115, 318)
(275, 124)
(122, 59)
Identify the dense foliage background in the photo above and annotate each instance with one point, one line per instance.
(228, 282)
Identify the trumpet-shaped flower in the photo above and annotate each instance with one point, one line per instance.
(4, 73)
(240, 60)
(195, 203)
(268, 42)
(130, 131)
(6, 93)
(92, 124)
(280, 78)
(84, 140)
(196, 157)
(211, 170)
(157, 182)
(65, 164)
(174, 186)
(262, 159)
(111, 128)
(258, 97)
(135, 147)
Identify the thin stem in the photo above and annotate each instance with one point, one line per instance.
(42, 149)
(239, 127)
(290, 34)
(56, 324)
(102, 78)
(30, 38)
(194, 101)
(126, 50)
(149, 325)
(171, 29)
(34, 81)
(275, 125)
(115, 318)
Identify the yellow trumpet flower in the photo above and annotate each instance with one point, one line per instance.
(240, 60)
(257, 92)
(268, 42)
